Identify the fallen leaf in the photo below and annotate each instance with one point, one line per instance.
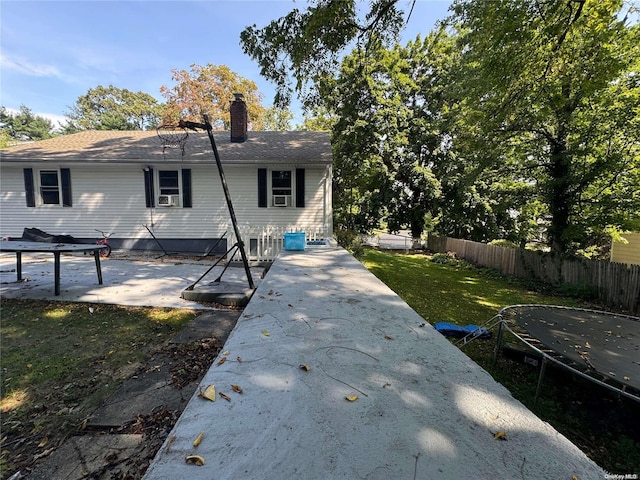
(500, 436)
(587, 345)
(226, 352)
(222, 360)
(43, 454)
(226, 397)
(43, 442)
(306, 368)
(352, 398)
(209, 393)
(195, 460)
(388, 337)
(198, 439)
(91, 310)
(627, 378)
(265, 333)
(237, 388)
(172, 439)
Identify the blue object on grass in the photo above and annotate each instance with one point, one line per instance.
(451, 330)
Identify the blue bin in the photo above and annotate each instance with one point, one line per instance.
(295, 241)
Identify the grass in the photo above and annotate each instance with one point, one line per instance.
(605, 427)
(60, 361)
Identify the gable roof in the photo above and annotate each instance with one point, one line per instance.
(115, 146)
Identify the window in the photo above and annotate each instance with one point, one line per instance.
(281, 182)
(283, 191)
(281, 188)
(168, 182)
(173, 187)
(49, 187)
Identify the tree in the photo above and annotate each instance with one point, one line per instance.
(307, 45)
(318, 120)
(113, 108)
(541, 71)
(277, 119)
(208, 90)
(388, 138)
(25, 125)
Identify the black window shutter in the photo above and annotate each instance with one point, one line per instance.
(28, 187)
(300, 187)
(262, 187)
(65, 175)
(186, 188)
(148, 188)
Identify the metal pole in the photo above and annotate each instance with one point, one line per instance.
(543, 366)
(227, 196)
(496, 350)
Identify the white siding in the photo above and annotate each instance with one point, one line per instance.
(111, 198)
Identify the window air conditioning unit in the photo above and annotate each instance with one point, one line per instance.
(167, 200)
(281, 200)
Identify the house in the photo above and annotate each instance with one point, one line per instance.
(153, 197)
(627, 251)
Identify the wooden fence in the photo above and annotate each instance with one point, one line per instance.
(614, 284)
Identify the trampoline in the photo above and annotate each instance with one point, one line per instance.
(600, 346)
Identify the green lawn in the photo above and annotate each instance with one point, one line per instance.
(60, 361)
(603, 426)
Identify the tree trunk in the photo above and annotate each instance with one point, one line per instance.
(559, 192)
(559, 195)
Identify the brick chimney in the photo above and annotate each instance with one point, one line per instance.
(239, 119)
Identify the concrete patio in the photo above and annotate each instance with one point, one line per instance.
(134, 280)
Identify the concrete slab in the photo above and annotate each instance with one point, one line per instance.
(141, 395)
(423, 408)
(152, 387)
(214, 323)
(84, 455)
(129, 281)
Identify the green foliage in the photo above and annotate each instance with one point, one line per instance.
(23, 125)
(351, 241)
(306, 45)
(277, 119)
(503, 243)
(556, 81)
(388, 138)
(319, 120)
(5, 138)
(444, 259)
(113, 108)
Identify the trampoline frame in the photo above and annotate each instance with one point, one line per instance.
(502, 324)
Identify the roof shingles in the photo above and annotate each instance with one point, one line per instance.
(145, 146)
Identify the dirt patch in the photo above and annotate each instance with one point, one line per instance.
(24, 450)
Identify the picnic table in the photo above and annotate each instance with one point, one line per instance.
(20, 247)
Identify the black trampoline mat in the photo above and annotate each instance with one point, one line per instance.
(608, 343)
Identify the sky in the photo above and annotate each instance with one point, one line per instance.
(52, 52)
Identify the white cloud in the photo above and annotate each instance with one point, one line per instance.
(58, 121)
(26, 67)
